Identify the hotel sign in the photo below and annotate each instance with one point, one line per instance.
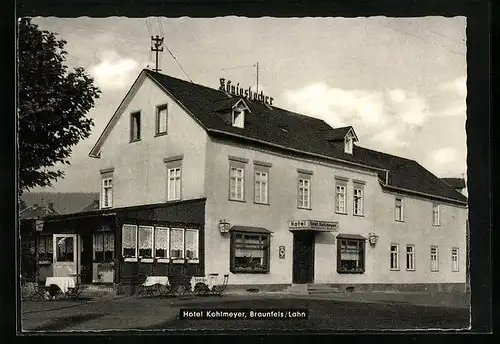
(245, 93)
(313, 225)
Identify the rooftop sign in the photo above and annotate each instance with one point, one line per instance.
(245, 93)
(313, 225)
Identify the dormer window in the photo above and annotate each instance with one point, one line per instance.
(238, 118)
(348, 143)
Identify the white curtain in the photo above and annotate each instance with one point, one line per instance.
(129, 236)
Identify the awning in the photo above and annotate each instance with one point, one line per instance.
(350, 236)
(250, 229)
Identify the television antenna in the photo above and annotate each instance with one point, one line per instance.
(256, 65)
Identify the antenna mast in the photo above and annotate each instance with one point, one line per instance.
(254, 65)
(157, 47)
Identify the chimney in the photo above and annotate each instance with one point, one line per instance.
(51, 207)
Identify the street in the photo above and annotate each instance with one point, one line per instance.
(133, 313)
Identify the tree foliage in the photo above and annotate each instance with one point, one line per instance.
(52, 106)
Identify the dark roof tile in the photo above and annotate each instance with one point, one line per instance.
(291, 130)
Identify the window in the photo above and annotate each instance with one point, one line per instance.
(237, 184)
(161, 242)
(135, 126)
(435, 215)
(358, 202)
(249, 252)
(103, 247)
(340, 199)
(191, 244)
(434, 258)
(161, 119)
(45, 248)
(145, 241)
(174, 184)
(261, 187)
(454, 259)
(350, 256)
(410, 257)
(238, 118)
(177, 243)
(348, 143)
(399, 209)
(394, 257)
(129, 241)
(107, 192)
(304, 194)
(64, 249)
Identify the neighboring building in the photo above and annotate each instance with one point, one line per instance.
(456, 183)
(196, 180)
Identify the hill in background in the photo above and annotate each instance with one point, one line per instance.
(64, 202)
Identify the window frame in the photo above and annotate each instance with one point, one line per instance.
(135, 121)
(103, 235)
(266, 249)
(401, 206)
(304, 179)
(236, 167)
(159, 109)
(106, 188)
(348, 144)
(195, 259)
(455, 264)
(258, 187)
(436, 215)
(136, 251)
(361, 247)
(48, 256)
(436, 255)
(394, 253)
(175, 179)
(410, 257)
(341, 186)
(238, 112)
(182, 258)
(167, 250)
(139, 255)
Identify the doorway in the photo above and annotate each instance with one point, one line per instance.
(65, 255)
(303, 257)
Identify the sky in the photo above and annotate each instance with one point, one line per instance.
(400, 82)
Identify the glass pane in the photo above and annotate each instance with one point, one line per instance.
(64, 251)
(161, 242)
(177, 244)
(129, 240)
(145, 241)
(192, 244)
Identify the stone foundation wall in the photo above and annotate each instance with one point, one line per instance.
(393, 287)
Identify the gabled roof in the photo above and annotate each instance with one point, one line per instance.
(36, 212)
(303, 134)
(456, 183)
(339, 134)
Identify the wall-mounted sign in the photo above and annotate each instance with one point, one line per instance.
(245, 93)
(313, 225)
(281, 252)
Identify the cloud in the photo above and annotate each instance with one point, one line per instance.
(383, 118)
(444, 156)
(453, 111)
(445, 161)
(459, 86)
(114, 72)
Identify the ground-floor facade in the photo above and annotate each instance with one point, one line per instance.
(116, 247)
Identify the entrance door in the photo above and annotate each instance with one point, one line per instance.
(303, 258)
(65, 255)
